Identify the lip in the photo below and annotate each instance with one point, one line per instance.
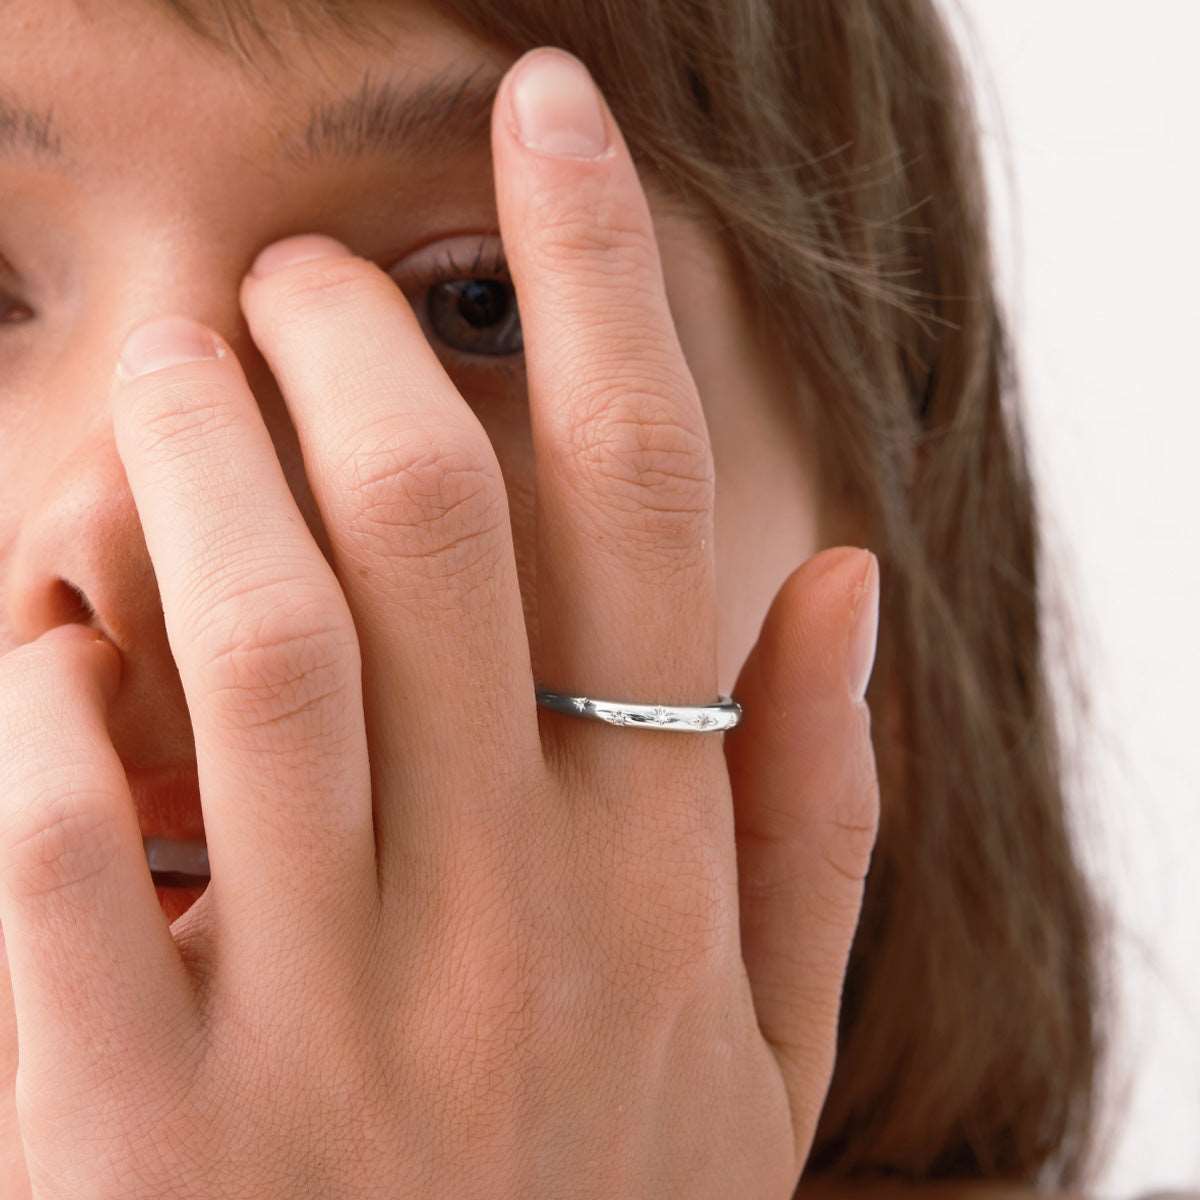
(167, 800)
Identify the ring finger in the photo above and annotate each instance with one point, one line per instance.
(413, 498)
(625, 481)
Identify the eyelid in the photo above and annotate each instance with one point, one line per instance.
(465, 256)
(468, 253)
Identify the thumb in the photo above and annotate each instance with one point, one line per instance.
(806, 805)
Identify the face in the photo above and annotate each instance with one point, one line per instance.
(167, 169)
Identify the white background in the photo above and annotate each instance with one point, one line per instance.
(1091, 117)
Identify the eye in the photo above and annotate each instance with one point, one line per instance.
(465, 298)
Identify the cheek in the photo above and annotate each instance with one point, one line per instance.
(767, 516)
(22, 462)
(27, 459)
(766, 526)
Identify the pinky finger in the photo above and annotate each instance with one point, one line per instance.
(806, 798)
(94, 969)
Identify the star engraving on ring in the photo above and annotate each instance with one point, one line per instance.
(661, 716)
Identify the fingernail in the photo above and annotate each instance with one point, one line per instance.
(556, 106)
(166, 342)
(864, 630)
(303, 248)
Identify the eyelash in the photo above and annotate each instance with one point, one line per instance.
(448, 262)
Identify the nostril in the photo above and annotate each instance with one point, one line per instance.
(69, 606)
(76, 609)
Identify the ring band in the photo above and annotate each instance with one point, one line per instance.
(681, 718)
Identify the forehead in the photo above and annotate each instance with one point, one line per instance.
(78, 80)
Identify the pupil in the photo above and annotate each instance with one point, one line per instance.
(482, 302)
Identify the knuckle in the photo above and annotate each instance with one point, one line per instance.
(854, 839)
(269, 659)
(489, 963)
(649, 470)
(855, 822)
(434, 502)
(673, 945)
(62, 838)
(680, 927)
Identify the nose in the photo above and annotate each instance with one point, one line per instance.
(71, 543)
(79, 556)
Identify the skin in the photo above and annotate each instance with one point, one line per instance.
(638, 991)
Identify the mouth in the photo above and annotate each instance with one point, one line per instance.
(167, 800)
(181, 864)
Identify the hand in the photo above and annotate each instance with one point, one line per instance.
(454, 944)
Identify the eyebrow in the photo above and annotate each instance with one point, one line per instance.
(448, 112)
(440, 115)
(24, 130)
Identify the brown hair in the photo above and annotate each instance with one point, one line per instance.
(834, 145)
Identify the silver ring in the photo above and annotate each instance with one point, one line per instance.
(682, 718)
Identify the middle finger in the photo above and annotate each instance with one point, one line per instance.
(412, 496)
